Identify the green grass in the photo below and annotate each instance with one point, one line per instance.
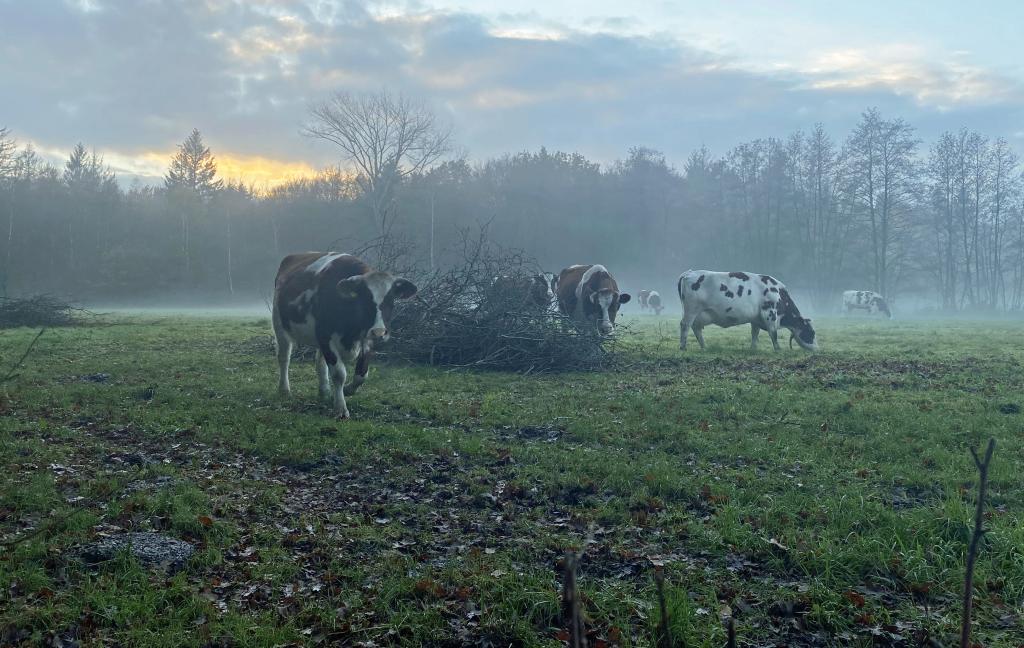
(822, 497)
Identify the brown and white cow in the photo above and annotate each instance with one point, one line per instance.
(654, 302)
(642, 297)
(338, 304)
(590, 293)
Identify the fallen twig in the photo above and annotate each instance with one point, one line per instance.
(12, 373)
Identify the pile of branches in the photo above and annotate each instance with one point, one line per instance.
(480, 314)
(36, 311)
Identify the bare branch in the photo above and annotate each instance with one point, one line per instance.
(979, 532)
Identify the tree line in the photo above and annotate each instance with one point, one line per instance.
(877, 209)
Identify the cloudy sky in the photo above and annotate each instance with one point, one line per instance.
(131, 78)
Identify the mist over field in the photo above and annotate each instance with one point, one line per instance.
(875, 162)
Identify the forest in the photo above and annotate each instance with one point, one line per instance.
(935, 225)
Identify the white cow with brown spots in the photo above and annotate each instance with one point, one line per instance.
(730, 298)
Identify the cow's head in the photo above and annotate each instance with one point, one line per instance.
(803, 333)
(372, 296)
(800, 328)
(607, 302)
(882, 306)
(542, 288)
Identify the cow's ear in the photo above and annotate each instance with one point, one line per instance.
(624, 298)
(347, 288)
(403, 288)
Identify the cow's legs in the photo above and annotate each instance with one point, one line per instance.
(362, 369)
(755, 331)
(773, 333)
(284, 353)
(336, 367)
(323, 376)
(684, 329)
(698, 332)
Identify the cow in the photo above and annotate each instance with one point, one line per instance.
(590, 293)
(536, 290)
(865, 300)
(338, 304)
(654, 302)
(544, 288)
(730, 298)
(641, 298)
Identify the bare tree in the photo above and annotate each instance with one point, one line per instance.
(884, 175)
(8, 174)
(386, 137)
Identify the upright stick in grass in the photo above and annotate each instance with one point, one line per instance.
(571, 602)
(664, 639)
(972, 551)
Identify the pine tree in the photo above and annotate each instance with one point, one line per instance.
(192, 172)
(194, 168)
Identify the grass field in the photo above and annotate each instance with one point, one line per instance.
(819, 499)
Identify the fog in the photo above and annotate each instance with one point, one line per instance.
(920, 201)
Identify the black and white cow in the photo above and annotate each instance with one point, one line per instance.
(865, 300)
(654, 302)
(545, 289)
(338, 304)
(536, 290)
(730, 298)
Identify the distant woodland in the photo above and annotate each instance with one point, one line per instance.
(875, 208)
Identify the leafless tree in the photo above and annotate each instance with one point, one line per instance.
(883, 175)
(386, 137)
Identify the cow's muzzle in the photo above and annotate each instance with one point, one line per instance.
(378, 333)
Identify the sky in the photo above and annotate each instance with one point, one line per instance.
(131, 78)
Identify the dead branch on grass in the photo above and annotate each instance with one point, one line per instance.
(13, 372)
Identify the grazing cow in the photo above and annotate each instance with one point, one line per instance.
(341, 306)
(642, 297)
(865, 300)
(654, 301)
(730, 298)
(590, 293)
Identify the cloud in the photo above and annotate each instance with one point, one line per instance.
(908, 71)
(132, 79)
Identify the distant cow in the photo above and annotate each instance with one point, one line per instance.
(341, 306)
(865, 300)
(641, 298)
(538, 290)
(730, 298)
(590, 293)
(654, 302)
